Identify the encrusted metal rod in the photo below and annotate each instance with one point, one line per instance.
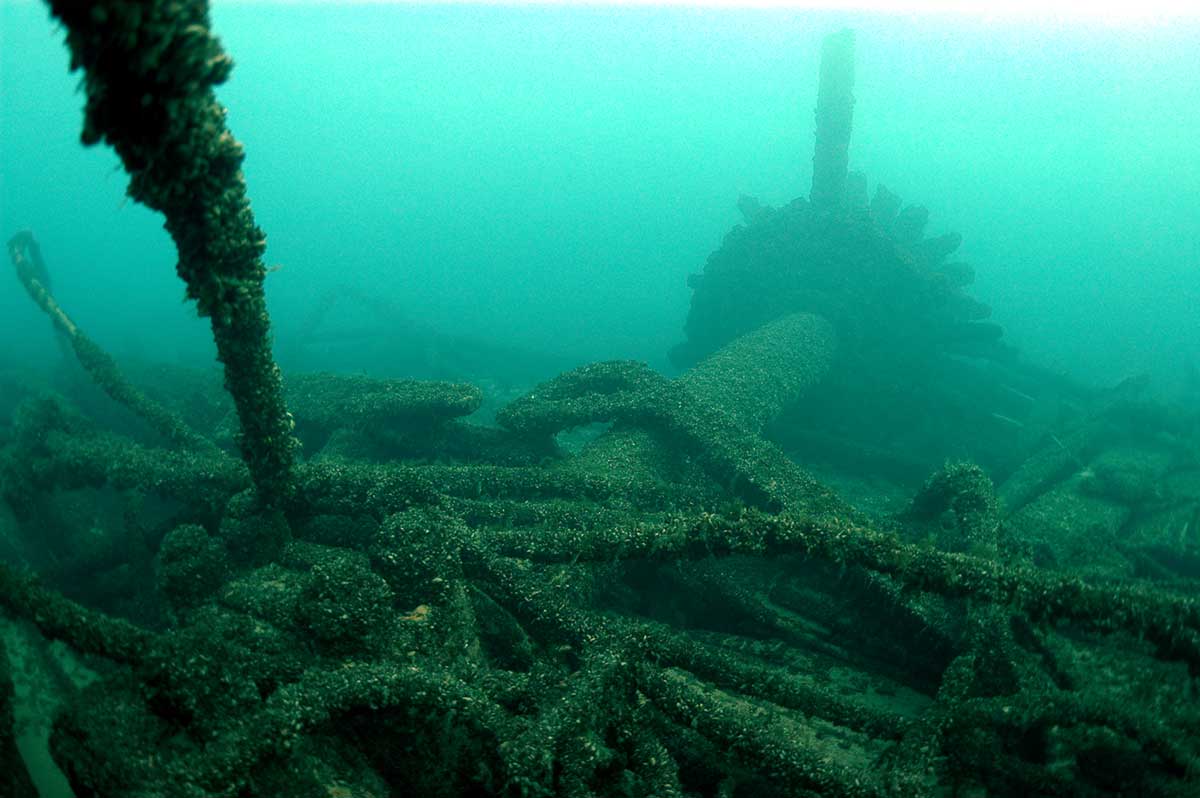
(58, 617)
(149, 72)
(31, 270)
(835, 117)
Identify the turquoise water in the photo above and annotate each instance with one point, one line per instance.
(431, 603)
(549, 177)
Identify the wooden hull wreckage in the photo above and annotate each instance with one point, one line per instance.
(674, 605)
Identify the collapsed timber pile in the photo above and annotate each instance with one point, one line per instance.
(426, 606)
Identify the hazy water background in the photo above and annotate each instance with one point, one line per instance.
(549, 177)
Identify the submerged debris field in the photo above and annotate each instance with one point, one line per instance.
(773, 574)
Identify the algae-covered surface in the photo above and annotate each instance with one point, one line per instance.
(851, 542)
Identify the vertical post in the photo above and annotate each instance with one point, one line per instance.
(150, 68)
(835, 117)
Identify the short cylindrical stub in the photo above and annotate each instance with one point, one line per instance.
(835, 118)
(755, 376)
